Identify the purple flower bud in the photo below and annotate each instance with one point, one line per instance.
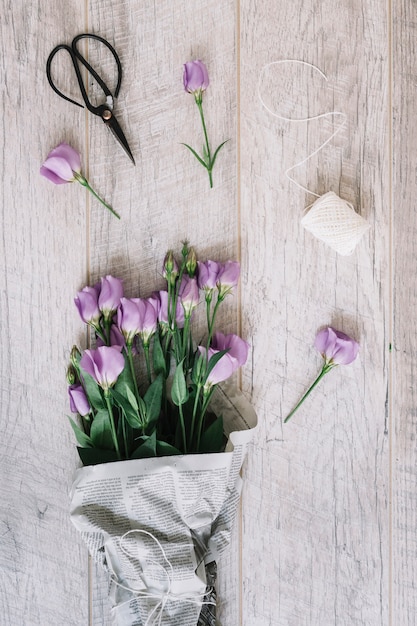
(104, 365)
(189, 294)
(147, 319)
(61, 164)
(207, 275)
(336, 347)
(78, 400)
(228, 277)
(110, 294)
(195, 77)
(237, 348)
(87, 305)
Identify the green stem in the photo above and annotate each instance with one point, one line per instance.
(207, 397)
(125, 438)
(211, 324)
(197, 396)
(185, 336)
(148, 363)
(326, 368)
(112, 425)
(132, 370)
(208, 165)
(184, 438)
(84, 182)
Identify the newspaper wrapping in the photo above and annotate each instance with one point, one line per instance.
(158, 525)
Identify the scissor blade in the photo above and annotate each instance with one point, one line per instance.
(118, 134)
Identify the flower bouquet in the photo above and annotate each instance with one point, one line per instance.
(162, 434)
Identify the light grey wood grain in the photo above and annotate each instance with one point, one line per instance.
(404, 401)
(316, 490)
(166, 198)
(43, 564)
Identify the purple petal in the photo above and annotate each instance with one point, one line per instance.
(195, 76)
(60, 167)
(110, 294)
(51, 176)
(87, 305)
(67, 152)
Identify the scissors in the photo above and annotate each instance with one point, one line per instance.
(105, 111)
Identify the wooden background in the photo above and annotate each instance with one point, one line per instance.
(327, 534)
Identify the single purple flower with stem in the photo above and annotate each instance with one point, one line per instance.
(196, 81)
(104, 365)
(63, 165)
(78, 400)
(336, 348)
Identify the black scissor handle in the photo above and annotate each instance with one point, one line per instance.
(77, 56)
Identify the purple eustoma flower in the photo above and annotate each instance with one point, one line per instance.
(237, 348)
(87, 305)
(111, 292)
(189, 294)
(62, 164)
(228, 278)
(207, 275)
(235, 357)
(223, 369)
(137, 316)
(336, 347)
(195, 77)
(78, 400)
(104, 364)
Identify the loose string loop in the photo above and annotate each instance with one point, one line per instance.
(301, 119)
(330, 218)
(162, 596)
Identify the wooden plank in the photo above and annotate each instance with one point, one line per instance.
(166, 197)
(316, 490)
(404, 457)
(43, 563)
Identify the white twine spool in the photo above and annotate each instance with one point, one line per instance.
(335, 222)
(330, 219)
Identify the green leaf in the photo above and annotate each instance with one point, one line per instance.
(153, 400)
(147, 448)
(159, 364)
(131, 415)
(212, 438)
(165, 449)
(199, 159)
(217, 152)
(100, 432)
(82, 438)
(94, 456)
(132, 398)
(179, 391)
(93, 391)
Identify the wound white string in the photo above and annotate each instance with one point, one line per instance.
(331, 219)
(163, 595)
